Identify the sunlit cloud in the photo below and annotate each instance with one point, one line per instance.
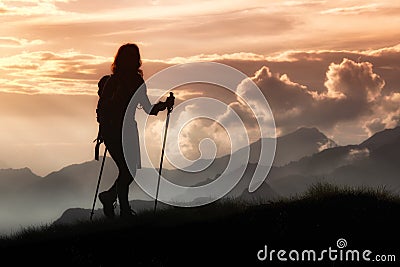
(353, 80)
(382, 51)
(216, 57)
(285, 56)
(31, 8)
(303, 3)
(73, 72)
(163, 28)
(354, 95)
(386, 114)
(352, 10)
(68, 72)
(16, 42)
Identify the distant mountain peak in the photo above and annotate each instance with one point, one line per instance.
(300, 143)
(24, 170)
(308, 135)
(308, 131)
(381, 138)
(12, 179)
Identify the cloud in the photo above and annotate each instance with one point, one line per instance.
(3, 9)
(4, 41)
(299, 97)
(10, 42)
(283, 94)
(353, 80)
(303, 3)
(30, 8)
(198, 26)
(242, 56)
(85, 6)
(352, 10)
(67, 72)
(245, 24)
(386, 114)
(307, 67)
(216, 30)
(374, 125)
(352, 92)
(367, 80)
(383, 51)
(357, 154)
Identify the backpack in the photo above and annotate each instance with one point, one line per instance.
(102, 83)
(101, 112)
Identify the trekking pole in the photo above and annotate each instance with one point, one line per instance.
(162, 155)
(98, 183)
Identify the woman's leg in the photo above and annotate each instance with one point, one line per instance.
(113, 149)
(120, 188)
(123, 182)
(108, 197)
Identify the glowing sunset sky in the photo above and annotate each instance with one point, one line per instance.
(329, 64)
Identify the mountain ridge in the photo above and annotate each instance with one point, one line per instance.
(351, 165)
(381, 138)
(74, 185)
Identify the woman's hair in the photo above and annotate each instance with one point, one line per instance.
(127, 60)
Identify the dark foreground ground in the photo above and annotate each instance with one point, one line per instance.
(221, 234)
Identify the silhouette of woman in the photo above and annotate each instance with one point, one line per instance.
(116, 92)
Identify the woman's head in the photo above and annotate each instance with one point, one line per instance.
(127, 60)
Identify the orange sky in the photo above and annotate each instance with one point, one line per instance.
(63, 47)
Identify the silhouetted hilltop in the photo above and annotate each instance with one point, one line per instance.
(226, 233)
(75, 215)
(240, 194)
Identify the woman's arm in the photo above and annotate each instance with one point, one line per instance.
(144, 99)
(145, 102)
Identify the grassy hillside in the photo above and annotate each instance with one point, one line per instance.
(224, 232)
